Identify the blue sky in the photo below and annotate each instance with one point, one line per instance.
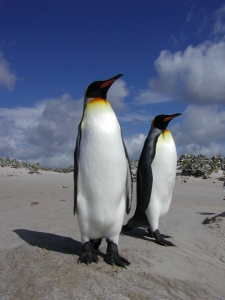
(171, 52)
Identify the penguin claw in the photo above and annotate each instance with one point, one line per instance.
(159, 239)
(152, 234)
(112, 257)
(88, 258)
(117, 260)
(164, 242)
(88, 254)
(166, 236)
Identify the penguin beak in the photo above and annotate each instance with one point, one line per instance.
(110, 81)
(99, 89)
(171, 117)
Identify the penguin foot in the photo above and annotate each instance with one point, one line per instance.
(88, 254)
(159, 238)
(96, 243)
(112, 257)
(152, 234)
(126, 227)
(138, 220)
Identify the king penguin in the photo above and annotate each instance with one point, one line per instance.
(102, 176)
(155, 179)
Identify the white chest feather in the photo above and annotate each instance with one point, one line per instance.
(102, 160)
(164, 172)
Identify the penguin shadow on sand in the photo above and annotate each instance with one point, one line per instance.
(140, 233)
(50, 241)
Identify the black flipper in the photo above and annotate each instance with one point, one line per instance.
(88, 254)
(76, 166)
(144, 182)
(129, 183)
(112, 257)
(159, 239)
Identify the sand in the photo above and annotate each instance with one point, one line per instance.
(40, 244)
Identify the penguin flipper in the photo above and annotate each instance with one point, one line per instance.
(76, 167)
(129, 183)
(144, 185)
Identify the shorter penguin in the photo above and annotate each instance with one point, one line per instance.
(155, 179)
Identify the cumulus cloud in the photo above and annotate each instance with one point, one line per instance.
(150, 97)
(134, 145)
(7, 77)
(196, 75)
(46, 133)
(116, 94)
(201, 131)
(136, 117)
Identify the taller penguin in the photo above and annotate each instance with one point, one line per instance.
(102, 176)
(155, 179)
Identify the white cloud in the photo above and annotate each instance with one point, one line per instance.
(207, 150)
(196, 75)
(23, 116)
(46, 133)
(219, 17)
(116, 94)
(150, 97)
(139, 116)
(134, 145)
(201, 131)
(7, 77)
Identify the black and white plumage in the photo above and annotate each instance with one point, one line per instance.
(155, 179)
(102, 176)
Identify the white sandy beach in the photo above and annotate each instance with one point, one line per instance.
(40, 244)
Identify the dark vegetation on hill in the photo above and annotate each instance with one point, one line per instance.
(189, 164)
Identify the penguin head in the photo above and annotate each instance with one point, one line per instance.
(162, 121)
(99, 89)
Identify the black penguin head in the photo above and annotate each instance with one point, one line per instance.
(99, 89)
(162, 121)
